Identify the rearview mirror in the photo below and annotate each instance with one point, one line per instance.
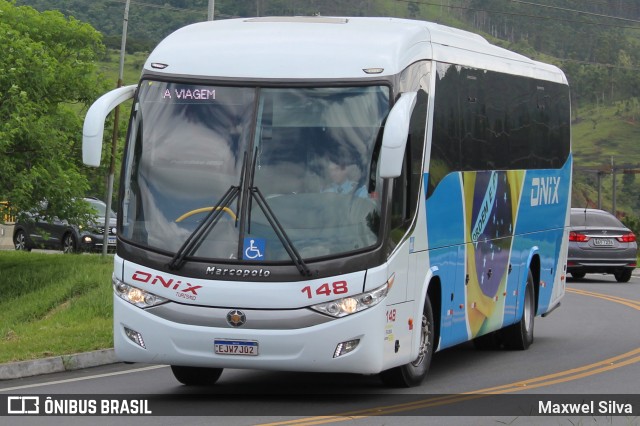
(93, 129)
(394, 138)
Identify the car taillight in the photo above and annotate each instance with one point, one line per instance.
(627, 238)
(577, 237)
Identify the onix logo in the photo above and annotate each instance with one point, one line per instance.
(147, 278)
(544, 191)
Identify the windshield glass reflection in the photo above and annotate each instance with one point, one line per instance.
(313, 156)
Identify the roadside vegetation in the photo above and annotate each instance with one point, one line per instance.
(608, 133)
(54, 304)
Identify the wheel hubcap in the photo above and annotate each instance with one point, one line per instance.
(20, 244)
(528, 310)
(68, 244)
(424, 342)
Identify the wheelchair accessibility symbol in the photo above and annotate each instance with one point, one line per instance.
(253, 249)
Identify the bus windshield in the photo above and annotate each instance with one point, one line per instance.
(310, 153)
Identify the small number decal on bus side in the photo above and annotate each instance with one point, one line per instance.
(391, 315)
(338, 287)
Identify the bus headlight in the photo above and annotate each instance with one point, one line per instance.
(136, 296)
(352, 304)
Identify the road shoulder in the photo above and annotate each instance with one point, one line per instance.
(56, 364)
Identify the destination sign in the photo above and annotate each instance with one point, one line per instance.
(189, 94)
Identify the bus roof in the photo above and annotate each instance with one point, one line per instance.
(328, 48)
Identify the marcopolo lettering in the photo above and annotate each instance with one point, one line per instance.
(237, 272)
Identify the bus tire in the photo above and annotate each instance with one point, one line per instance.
(413, 373)
(519, 336)
(196, 376)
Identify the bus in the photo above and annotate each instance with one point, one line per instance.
(329, 194)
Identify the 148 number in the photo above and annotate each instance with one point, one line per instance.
(338, 287)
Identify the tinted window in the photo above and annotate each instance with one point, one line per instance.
(309, 151)
(406, 187)
(100, 207)
(484, 120)
(594, 219)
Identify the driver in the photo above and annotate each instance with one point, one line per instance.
(339, 176)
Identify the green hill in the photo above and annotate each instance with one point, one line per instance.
(606, 134)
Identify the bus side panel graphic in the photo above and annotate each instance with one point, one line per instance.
(490, 212)
(542, 219)
(503, 219)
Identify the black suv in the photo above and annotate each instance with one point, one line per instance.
(61, 235)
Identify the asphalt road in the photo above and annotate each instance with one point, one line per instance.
(589, 348)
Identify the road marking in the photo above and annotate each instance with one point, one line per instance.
(608, 364)
(635, 304)
(79, 379)
(574, 374)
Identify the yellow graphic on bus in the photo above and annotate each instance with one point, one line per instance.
(491, 204)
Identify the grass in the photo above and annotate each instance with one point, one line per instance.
(611, 130)
(54, 304)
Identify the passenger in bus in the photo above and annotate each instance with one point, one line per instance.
(341, 177)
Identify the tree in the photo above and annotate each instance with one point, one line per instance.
(48, 75)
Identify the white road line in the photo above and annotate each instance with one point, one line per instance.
(78, 379)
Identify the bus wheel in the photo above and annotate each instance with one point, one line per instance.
(413, 374)
(520, 335)
(196, 376)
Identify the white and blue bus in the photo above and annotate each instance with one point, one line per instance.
(335, 195)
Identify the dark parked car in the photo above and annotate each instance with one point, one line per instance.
(600, 243)
(61, 235)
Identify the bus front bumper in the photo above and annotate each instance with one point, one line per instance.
(140, 336)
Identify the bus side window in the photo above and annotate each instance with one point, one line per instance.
(406, 187)
(399, 204)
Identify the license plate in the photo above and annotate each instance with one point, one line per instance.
(606, 242)
(236, 347)
(111, 240)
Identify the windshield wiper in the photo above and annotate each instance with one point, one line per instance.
(208, 223)
(280, 232)
(212, 218)
(276, 225)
